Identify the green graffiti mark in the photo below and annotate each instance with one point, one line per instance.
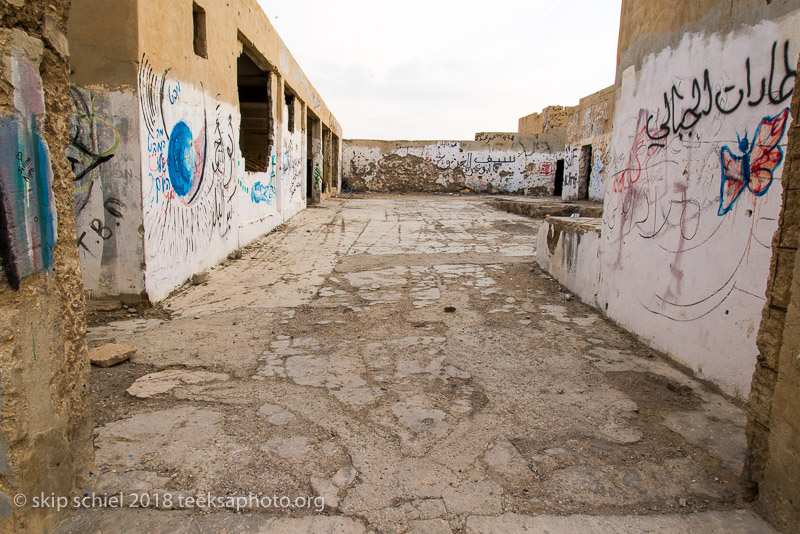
(317, 175)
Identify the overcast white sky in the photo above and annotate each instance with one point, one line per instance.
(434, 69)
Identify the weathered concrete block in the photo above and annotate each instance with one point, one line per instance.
(569, 249)
(110, 354)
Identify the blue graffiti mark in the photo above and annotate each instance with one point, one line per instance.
(262, 193)
(180, 158)
(26, 196)
(755, 168)
(174, 92)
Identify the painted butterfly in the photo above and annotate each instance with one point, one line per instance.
(755, 168)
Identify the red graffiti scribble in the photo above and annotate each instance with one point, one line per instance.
(633, 171)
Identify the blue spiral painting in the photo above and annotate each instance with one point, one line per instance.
(180, 158)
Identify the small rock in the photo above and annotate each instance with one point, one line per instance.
(450, 309)
(344, 477)
(199, 278)
(275, 415)
(110, 354)
(324, 488)
(286, 448)
(235, 255)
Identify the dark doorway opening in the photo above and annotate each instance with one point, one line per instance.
(326, 159)
(255, 105)
(311, 134)
(558, 187)
(335, 163)
(584, 171)
(289, 98)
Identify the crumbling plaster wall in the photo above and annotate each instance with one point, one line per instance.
(588, 124)
(686, 243)
(46, 423)
(773, 423)
(498, 163)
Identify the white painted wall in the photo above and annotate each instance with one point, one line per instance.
(684, 265)
(198, 202)
(465, 163)
(106, 159)
(293, 162)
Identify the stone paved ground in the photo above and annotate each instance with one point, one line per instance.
(404, 358)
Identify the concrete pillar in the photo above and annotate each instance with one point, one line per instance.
(45, 417)
(278, 103)
(316, 150)
(304, 146)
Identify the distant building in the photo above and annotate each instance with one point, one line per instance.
(585, 131)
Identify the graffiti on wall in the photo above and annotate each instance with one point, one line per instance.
(512, 166)
(754, 169)
(682, 112)
(189, 162)
(292, 166)
(262, 192)
(222, 168)
(694, 174)
(317, 176)
(27, 211)
(93, 142)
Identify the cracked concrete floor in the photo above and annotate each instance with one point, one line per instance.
(406, 359)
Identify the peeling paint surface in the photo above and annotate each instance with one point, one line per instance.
(26, 178)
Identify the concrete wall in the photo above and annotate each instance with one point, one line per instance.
(105, 159)
(45, 417)
(163, 192)
(588, 125)
(569, 249)
(499, 163)
(685, 244)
